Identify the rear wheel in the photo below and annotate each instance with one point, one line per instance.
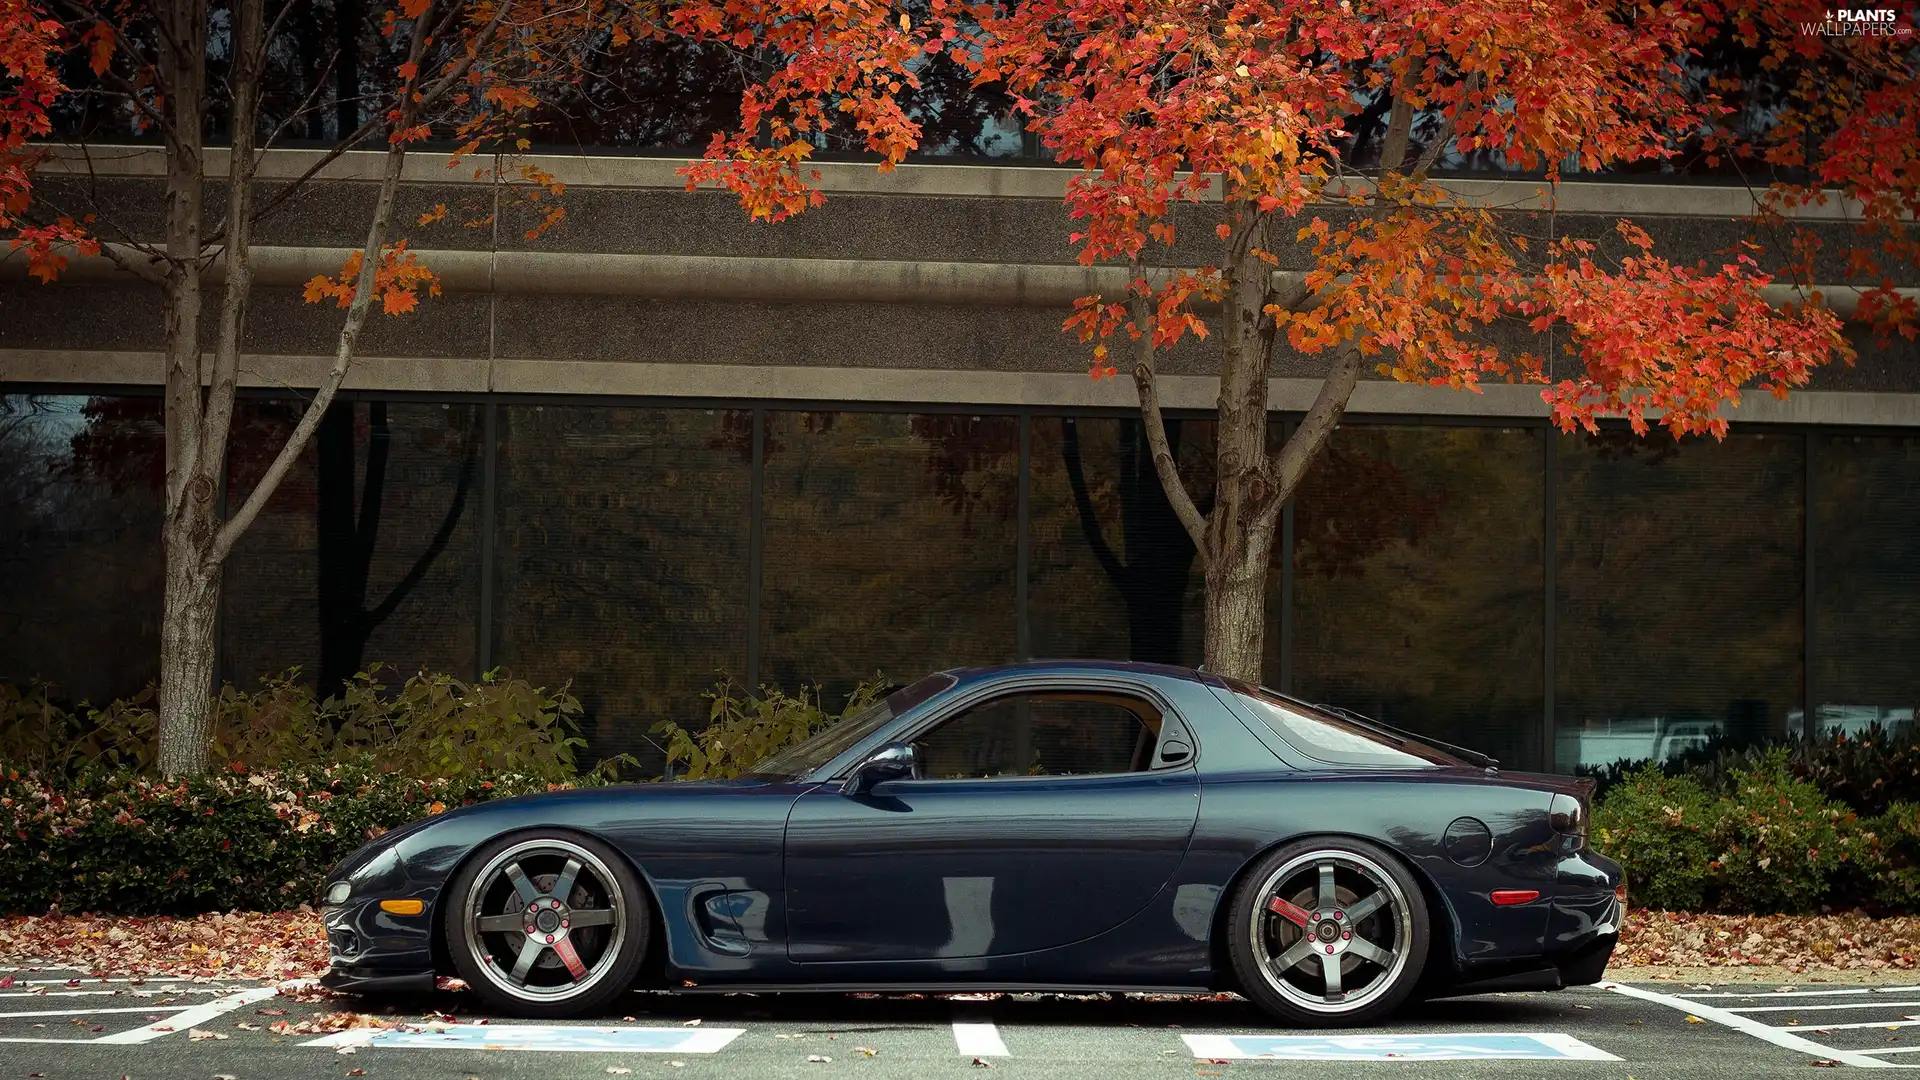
(547, 924)
(1328, 933)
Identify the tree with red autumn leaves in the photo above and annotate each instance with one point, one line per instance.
(469, 71)
(1365, 261)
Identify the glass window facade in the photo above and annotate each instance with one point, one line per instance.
(1556, 601)
(1419, 582)
(1866, 580)
(896, 531)
(81, 577)
(1111, 571)
(368, 551)
(621, 560)
(1679, 585)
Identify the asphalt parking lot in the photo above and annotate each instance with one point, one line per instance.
(60, 1024)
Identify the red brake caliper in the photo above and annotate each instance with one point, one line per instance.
(1293, 913)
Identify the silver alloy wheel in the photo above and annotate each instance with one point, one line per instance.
(545, 920)
(1332, 931)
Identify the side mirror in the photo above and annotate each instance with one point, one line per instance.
(893, 761)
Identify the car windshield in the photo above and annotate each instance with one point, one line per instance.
(799, 761)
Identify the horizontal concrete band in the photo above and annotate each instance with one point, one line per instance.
(974, 181)
(714, 277)
(937, 387)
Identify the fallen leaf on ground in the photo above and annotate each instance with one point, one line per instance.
(201, 1035)
(867, 1050)
(618, 1070)
(1695, 1020)
(690, 1023)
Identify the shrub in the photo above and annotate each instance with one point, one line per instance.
(430, 725)
(1894, 884)
(1657, 827)
(117, 842)
(743, 730)
(1867, 770)
(1779, 843)
(1768, 843)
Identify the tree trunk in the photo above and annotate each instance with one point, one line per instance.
(187, 646)
(1236, 616)
(1246, 501)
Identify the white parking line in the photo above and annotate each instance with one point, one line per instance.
(1813, 1007)
(96, 1012)
(979, 1040)
(1729, 1018)
(193, 1017)
(143, 992)
(1895, 1050)
(1868, 1024)
(1812, 993)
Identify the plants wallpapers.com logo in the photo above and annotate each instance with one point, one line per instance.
(1860, 22)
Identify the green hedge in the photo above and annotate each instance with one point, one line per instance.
(118, 842)
(1758, 838)
(423, 725)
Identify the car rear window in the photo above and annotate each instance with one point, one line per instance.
(1334, 739)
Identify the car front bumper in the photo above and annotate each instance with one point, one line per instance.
(372, 952)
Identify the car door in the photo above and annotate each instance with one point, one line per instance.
(1047, 814)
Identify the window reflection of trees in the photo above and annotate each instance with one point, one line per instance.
(621, 559)
(367, 553)
(1418, 592)
(80, 561)
(1679, 595)
(890, 544)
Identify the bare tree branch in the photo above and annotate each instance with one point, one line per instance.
(249, 63)
(357, 311)
(1155, 422)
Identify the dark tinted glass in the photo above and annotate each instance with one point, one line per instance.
(891, 545)
(1866, 553)
(1679, 593)
(622, 560)
(1112, 573)
(1419, 584)
(81, 578)
(1037, 735)
(367, 552)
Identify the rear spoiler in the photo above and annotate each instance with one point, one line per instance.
(1471, 757)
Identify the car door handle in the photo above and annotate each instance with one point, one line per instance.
(1173, 751)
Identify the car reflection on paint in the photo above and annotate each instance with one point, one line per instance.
(1061, 825)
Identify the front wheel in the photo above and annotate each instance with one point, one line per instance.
(547, 925)
(1328, 933)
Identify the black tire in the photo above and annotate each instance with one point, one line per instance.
(1378, 951)
(530, 952)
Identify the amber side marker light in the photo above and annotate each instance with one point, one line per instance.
(1504, 897)
(403, 907)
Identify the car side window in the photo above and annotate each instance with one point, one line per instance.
(1043, 734)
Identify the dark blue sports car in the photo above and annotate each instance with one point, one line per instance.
(1055, 825)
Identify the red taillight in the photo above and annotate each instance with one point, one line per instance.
(1507, 897)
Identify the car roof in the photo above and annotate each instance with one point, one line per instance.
(1070, 667)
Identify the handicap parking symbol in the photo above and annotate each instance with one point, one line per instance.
(1442, 1046)
(580, 1038)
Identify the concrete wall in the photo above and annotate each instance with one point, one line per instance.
(932, 283)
